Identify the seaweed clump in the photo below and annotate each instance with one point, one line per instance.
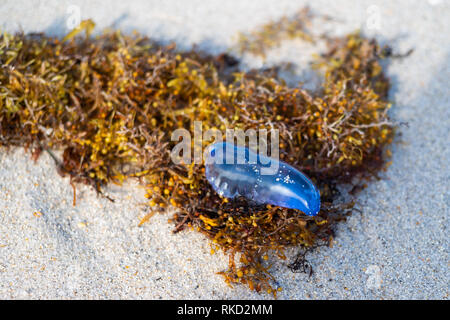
(110, 103)
(273, 33)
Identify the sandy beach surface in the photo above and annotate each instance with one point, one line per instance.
(397, 248)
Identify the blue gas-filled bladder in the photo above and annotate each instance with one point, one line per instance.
(237, 171)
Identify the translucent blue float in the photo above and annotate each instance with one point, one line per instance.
(237, 171)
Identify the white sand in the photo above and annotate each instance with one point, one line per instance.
(397, 248)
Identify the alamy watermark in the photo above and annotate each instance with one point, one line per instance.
(373, 21)
(374, 279)
(190, 150)
(74, 16)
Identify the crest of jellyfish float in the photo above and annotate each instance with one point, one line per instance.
(235, 171)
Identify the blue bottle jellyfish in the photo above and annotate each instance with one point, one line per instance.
(237, 171)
